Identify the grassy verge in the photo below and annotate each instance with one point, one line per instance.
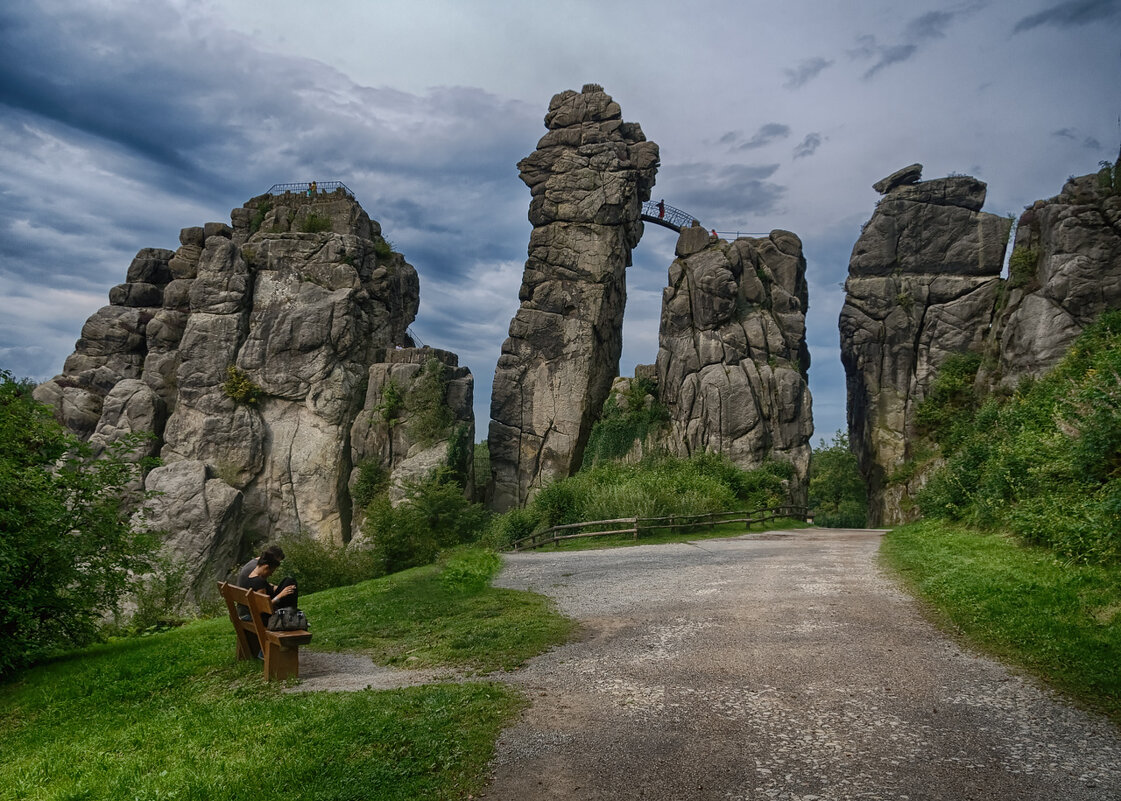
(1061, 622)
(661, 536)
(174, 716)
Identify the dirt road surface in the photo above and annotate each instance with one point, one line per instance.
(780, 666)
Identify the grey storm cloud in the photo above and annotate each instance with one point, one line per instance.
(724, 196)
(805, 72)
(808, 146)
(918, 31)
(1070, 14)
(765, 135)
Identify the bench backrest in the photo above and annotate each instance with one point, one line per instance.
(258, 603)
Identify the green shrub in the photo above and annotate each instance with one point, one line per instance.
(625, 420)
(506, 529)
(433, 516)
(838, 497)
(372, 481)
(240, 387)
(319, 565)
(1044, 464)
(258, 218)
(950, 401)
(469, 569)
(430, 417)
(383, 248)
(392, 404)
(482, 468)
(69, 552)
(315, 223)
(1022, 265)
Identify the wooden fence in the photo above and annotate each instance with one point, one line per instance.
(634, 526)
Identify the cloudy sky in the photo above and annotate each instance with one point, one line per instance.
(122, 122)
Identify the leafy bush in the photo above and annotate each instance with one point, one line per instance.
(625, 420)
(392, 404)
(68, 553)
(433, 517)
(315, 223)
(838, 498)
(263, 208)
(240, 387)
(319, 565)
(430, 417)
(1022, 265)
(469, 569)
(658, 486)
(373, 480)
(1045, 464)
(482, 468)
(951, 400)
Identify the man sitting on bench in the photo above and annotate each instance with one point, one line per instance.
(254, 575)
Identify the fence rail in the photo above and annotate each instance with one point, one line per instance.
(635, 525)
(321, 187)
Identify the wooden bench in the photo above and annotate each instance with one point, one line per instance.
(281, 648)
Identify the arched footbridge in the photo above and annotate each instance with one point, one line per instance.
(661, 213)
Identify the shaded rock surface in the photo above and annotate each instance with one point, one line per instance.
(588, 179)
(732, 358)
(924, 281)
(417, 416)
(247, 353)
(1065, 271)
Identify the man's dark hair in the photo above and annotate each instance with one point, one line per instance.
(271, 556)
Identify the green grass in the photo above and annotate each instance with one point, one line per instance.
(662, 536)
(175, 716)
(1060, 621)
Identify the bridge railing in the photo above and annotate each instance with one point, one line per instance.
(322, 187)
(660, 212)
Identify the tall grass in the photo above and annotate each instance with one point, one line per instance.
(655, 487)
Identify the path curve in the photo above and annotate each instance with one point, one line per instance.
(781, 666)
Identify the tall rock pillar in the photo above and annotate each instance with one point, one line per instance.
(923, 283)
(732, 357)
(588, 179)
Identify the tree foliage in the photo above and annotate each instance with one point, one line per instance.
(838, 498)
(1045, 463)
(67, 549)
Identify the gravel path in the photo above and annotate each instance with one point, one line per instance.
(778, 666)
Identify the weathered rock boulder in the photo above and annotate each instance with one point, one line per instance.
(246, 354)
(732, 357)
(417, 418)
(1065, 270)
(588, 179)
(924, 279)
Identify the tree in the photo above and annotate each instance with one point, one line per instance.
(68, 551)
(838, 498)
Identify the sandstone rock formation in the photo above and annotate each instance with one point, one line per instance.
(417, 417)
(732, 358)
(1065, 270)
(923, 283)
(247, 353)
(588, 179)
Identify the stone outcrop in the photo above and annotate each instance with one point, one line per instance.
(588, 179)
(924, 280)
(732, 358)
(417, 417)
(1065, 270)
(247, 353)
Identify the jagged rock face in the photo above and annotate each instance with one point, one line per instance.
(732, 356)
(1066, 270)
(588, 179)
(247, 353)
(401, 431)
(923, 283)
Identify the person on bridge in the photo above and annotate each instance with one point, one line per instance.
(662, 209)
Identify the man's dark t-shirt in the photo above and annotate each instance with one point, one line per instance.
(255, 583)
